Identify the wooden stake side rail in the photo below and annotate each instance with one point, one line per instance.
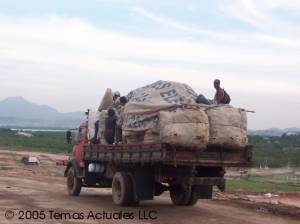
(162, 153)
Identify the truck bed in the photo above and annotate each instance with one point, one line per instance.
(168, 155)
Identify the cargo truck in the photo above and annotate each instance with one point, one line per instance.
(138, 172)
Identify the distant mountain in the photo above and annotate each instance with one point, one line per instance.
(275, 131)
(18, 112)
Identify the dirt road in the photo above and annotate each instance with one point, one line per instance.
(40, 190)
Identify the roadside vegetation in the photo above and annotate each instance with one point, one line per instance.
(52, 142)
(276, 151)
(263, 184)
(268, 151)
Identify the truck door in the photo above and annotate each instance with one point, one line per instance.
(81, 140)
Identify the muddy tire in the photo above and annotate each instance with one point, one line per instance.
(134, 201)
(181, 195)
(122, 189)
(74, 183)
(193, 198)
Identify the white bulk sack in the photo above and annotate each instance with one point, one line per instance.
(102, 117)
(185, 128)
(228, 126)
(107, 100)
(132, 137)
(92, 119)
(141, 113)
(151, 137)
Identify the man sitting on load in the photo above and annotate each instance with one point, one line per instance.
(221, 96)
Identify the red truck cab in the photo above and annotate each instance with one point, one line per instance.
(81, 140)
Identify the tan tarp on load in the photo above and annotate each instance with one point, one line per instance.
(151, 137)
(141, 113)
(153, 114)
(103, 115)
(107, 100)
(106, 103)
(93, 117)
(148, 116)
(228, 126)
(133, 137)
(184, 127)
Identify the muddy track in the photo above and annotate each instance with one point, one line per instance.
(43, 189)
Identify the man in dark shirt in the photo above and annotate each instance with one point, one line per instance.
(120, 110)
(110, 126)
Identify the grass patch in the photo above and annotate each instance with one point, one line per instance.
(53, 142)
(260, 184)
(268, 151)
(276, 151)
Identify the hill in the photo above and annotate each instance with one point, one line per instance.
(18, 112)
(275, 132)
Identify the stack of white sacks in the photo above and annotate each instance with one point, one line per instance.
(166, 112)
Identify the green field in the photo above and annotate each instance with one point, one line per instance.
(53, 142)
(276, 151)
(261, 184)
(273, 151)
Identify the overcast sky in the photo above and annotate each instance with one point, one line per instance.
(64, 53)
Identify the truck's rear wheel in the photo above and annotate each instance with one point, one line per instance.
(193, 198)
(74, 183)
(122, 189)
(134, 201)
(182, 195)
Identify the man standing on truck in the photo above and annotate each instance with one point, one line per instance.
(120, 111)
(110, 126)
(221, 96)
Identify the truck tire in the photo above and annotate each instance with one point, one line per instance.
(74, 183)
(122, 189)
(180, 195)
(134, 201)
(193, 198)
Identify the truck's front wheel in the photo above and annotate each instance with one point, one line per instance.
(74, 183)
(122, 190)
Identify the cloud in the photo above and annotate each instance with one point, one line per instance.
(81, 44)
(245, 10)
(50, 58)
(257, 14)
(73, 42)
(170, 23)
(286, 4)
